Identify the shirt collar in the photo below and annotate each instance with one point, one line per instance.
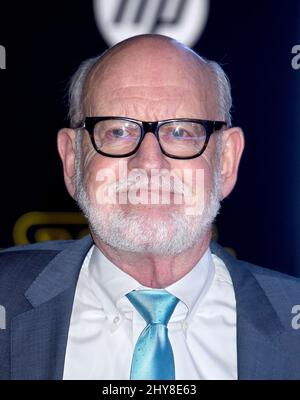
(110, 284)
(192, 287)
(108, 281)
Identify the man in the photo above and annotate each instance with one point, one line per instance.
(96, 308)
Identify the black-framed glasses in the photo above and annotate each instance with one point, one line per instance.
(181, 138)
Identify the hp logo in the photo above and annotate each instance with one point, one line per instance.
(183, 20)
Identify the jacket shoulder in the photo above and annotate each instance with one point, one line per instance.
(20, 265)
(269, 277)
(282, 290)
(262, 274)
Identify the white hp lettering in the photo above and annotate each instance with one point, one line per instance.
(2, 57)
(2, 317)
(153, 13)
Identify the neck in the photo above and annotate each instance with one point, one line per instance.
(155, 270)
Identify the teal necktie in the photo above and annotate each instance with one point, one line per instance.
(153, 356)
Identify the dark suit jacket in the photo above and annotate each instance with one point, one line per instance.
(37, 287)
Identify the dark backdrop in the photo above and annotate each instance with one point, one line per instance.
(45, 41)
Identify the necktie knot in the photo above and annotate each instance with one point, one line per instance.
(155, 306)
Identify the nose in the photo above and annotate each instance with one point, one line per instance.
(149, 154)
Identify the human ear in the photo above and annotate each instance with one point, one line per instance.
(66, 150)
(233, 143)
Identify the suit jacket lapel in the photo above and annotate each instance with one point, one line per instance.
(259, 329)
(39, 336)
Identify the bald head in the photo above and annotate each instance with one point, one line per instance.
(148, 50)
(153, 69)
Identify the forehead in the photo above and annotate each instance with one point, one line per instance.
(135, 83)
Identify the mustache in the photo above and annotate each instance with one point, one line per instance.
(155, 182)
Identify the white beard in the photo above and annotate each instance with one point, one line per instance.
(139, 233)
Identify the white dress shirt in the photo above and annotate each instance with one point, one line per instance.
(105, 326)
